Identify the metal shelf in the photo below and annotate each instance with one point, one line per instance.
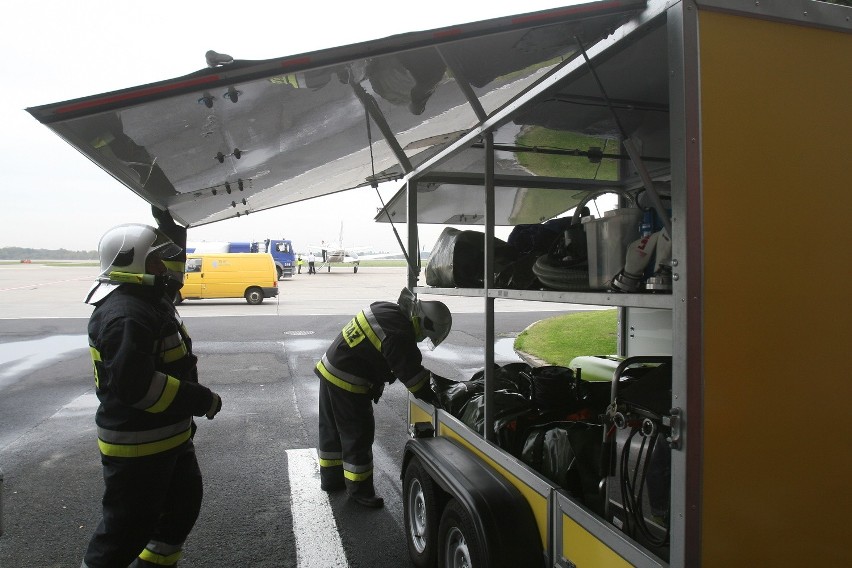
(664, 301)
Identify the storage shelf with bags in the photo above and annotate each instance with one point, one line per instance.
(588, 298)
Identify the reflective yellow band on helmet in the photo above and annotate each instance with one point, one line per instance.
(131, 278)
(142, 450)
(340, 382)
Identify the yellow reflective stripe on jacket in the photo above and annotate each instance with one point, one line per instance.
(372, 328)
(337, 381)
(174, 348)
(422, 382)
(96, 358)
(144, 449)
(161, 393)
(169, 393)
(352, 333)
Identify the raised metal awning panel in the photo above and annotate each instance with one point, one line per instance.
(635, 81)
(250, 136)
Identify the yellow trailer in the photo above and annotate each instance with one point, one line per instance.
(723, 120)
(752, 102)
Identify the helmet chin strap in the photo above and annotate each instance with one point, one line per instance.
(418, 328)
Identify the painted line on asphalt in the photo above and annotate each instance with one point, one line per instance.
(318, 543)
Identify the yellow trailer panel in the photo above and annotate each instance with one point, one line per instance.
(775, 120)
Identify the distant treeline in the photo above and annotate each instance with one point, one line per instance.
(20, 253)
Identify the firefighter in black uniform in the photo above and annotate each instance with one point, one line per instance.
(147, 383)
(378, 346)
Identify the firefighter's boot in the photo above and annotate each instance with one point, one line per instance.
(363, 493)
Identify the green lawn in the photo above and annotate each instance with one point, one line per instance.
(559, 339)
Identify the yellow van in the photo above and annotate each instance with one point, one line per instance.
(229, 275)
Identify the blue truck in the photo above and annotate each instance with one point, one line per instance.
(280, 249)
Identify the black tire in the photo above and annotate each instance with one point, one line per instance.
(356, 269)
(420, 512)
(329, 268)
(254, 296)
(458, 542)
(280, 272)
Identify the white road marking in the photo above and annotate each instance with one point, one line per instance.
(318, 543)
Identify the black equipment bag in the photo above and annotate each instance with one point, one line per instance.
(555, 388)
(509, 406)
(456, 259)
(453, 395)
(568, 453)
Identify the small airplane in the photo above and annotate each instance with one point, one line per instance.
(329, 253)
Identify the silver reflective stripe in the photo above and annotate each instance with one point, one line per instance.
(329, 455)
(172, 341)
(343, 375)
(419, 379)
(374, 323)
(144, 436)
(162, 548)
(155, 390)
(358, 468)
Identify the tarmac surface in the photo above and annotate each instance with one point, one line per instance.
(262, 503)
(41, 291)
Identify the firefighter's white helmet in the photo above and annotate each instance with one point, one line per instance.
(435, 320)
(123, 252)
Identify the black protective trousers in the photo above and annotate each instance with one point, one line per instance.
(149, 499)
(346, 430)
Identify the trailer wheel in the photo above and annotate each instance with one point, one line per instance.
(459, 544)
(421, 511)
(254, 295)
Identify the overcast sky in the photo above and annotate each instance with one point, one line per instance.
(53, 197)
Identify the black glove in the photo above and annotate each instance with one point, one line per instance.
(426, 394)
(166, 223)
(376, 391)
(215, 407)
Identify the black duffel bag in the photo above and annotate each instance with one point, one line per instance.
(456, 259)
(569, 454)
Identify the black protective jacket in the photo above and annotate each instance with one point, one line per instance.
(145, 374)
(377, 346)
